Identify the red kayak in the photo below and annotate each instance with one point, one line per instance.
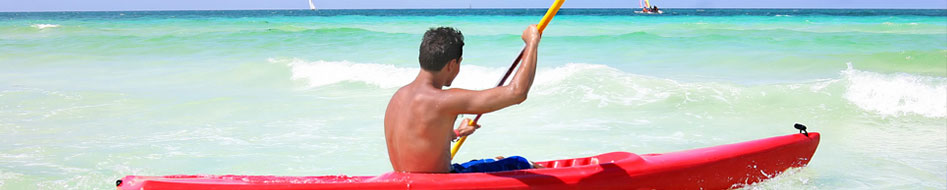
(718, 167)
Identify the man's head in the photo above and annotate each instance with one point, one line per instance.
(440, 46)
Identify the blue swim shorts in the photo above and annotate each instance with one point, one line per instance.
(491, 165)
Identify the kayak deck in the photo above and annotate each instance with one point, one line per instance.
(718, 167)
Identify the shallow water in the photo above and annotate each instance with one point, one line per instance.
(86, 98)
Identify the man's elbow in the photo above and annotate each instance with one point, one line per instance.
(519, 95)
(520, 99)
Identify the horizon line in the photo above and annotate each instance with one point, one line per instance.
(305, 9)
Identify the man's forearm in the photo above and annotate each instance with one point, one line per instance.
(523, 79)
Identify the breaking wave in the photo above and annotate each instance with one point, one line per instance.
(896, 94)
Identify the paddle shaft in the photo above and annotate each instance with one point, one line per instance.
(541, 26)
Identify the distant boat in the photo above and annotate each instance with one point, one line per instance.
(311, 6)
(646, 8)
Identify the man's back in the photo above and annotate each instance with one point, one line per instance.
(414, 127)
(420, 115)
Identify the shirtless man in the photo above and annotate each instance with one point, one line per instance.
(420, 115)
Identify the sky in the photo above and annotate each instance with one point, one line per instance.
(125, 5)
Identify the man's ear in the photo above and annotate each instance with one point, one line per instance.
(453, 64)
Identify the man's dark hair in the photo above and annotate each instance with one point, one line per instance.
(439, 46)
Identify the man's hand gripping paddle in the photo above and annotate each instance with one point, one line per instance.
(541, 26)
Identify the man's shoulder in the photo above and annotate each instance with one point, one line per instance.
(412, 92)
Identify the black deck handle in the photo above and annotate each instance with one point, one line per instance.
(802, 128)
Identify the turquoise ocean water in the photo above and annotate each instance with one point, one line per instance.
(89, 97)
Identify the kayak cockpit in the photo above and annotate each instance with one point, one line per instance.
(611, 157)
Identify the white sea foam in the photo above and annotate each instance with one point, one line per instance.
(321, 73)
(43, 26)
(897, 94)
(558, 74)
(7, 176)
(603, 84)
(610, 85)
(885, 94)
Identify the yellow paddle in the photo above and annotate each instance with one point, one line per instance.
(541, 26)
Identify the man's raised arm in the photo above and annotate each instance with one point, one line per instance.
(475, 102)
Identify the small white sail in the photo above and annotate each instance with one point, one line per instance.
(311, 6)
